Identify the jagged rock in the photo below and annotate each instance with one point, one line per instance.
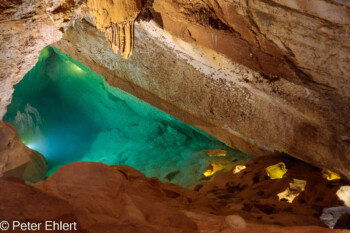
(121, 38)
(299, 50)
(231, 102)
(294, 189)
(100, 198)
(116, 19)
(26, 27)
(254, 196)
(305, 43)
(344, 194)
(18, 160)
(330, 216)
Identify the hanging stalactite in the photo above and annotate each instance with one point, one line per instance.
(121, 37)
(116, 19)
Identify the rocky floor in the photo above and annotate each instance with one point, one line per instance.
(254, 195)
(263, 76)
(103, 198)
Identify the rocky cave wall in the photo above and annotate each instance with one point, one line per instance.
(262, 76)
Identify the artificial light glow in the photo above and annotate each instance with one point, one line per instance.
(74, 66)
(216, 152)
(294, 189)
(31, 145)
(27, 144)
(238, 168)
(330, 175)
(276, 171)
(213, 168)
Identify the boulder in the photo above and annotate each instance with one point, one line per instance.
(16, 159)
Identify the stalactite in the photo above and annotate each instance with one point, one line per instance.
(121, 37)
(116, 19)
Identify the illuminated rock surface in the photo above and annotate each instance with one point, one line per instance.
(237, 105)
(262, 76)
(116, 19)
(255, 196)
(18, 160)
(69, 113)
(120, 199)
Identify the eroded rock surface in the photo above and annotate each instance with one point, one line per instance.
(26, 27)
(116, 19)
(304, 43)
(235, 104)
(262, 76)
(258, 197)
(18, 160)
(120, 199)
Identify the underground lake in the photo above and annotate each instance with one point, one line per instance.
(68, 113)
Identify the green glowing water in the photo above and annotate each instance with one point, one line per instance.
(69, 113)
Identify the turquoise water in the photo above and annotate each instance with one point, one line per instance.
(67, 112)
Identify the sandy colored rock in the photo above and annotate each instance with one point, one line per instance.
(18, 160)
(231, 102)
(106, 13)
(116, 18)
(26, 27)
(344, 194)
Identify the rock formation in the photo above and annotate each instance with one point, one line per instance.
(116, 19)
(257, 197)
(26, 27)
(266, 77)
(100, 198)
(18, 160)
(229, 67)
(231, 102)
(330, 216)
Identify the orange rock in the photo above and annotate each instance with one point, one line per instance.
(18, 160)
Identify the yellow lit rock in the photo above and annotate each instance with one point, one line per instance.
(213, 168)
(216, 152)
(238, 168)
(330, 175)
(276, 171)
(116, 19)
(294, 189)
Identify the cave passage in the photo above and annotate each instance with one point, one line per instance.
(67, 112)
